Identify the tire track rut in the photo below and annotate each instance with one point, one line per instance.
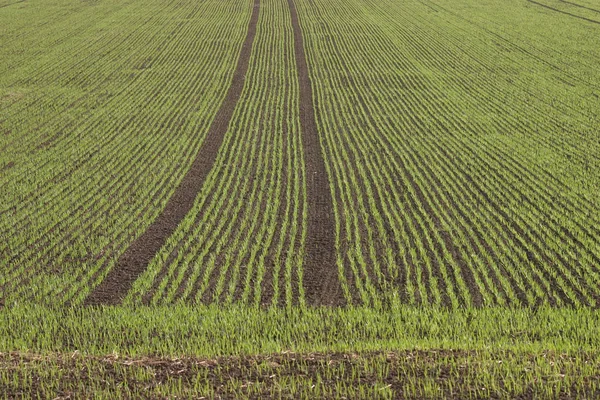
(565, 12)
(320, 272)
(134, 261)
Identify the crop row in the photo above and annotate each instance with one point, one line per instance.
(438, 158)
(391, 375)
(242, 352)
(462, 155)
(243, 241)
(135, 120)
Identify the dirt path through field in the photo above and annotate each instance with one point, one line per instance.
(136, 258)
(321, 282)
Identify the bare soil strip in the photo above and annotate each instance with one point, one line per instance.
(399, 375)
(136, 258)
(321, 282)
(8, 166)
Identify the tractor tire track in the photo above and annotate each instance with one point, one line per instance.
(580, 6)
(134, 261)
(12, 4)
(320, 271)
(565, 12)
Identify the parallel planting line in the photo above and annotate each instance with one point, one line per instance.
(478, 228)
(257, 182)
(11, 4)
(565, 12)
(579, 5)
(137, 257)
(119, 161)
(321, 283)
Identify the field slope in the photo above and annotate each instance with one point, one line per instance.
(322, 152)
(359, 198)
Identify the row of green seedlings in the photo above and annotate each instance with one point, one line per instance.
(482, 352)
(555, 107)
(55, 93)
(30, 36)
(483, 281)
(164, 156)
(543, 202)
(406, 375)
(211, 331)
(578, 62)
(256, 183)
(38, 203)
(363, 179)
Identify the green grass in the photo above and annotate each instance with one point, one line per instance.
(210, 331)
(462, 149)
(461, 144)
(309, 353)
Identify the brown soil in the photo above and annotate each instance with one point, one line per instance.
(49, 142)
(453, 372)
(8, 166)
(138, 255)
(321, 281)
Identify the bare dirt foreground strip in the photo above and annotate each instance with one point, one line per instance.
(136, 258)
(448, 374)
(321, 282)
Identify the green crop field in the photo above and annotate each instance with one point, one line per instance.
(300, 199)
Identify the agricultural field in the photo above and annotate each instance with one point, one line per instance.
(300, 198)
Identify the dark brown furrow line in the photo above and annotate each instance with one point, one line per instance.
(321, 281)
(138, 255)
(580, 6)
(12, 4)
(565, 12)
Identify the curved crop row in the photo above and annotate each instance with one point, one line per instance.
(98, 185)
(431, 201)
(243, 241)
(460, 143)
